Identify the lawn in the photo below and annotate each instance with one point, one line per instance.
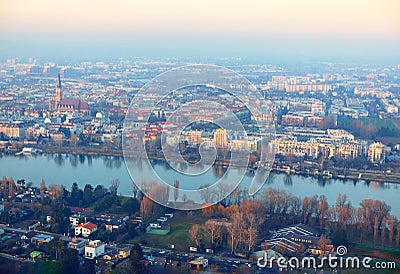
(179, 235)
(385, 255)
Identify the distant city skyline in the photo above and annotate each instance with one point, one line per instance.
(364, 31)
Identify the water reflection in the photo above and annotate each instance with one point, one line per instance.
(218, 171)
(90, 160)
(81, 159)
(59, 159)
(287, 180)
(73, 160)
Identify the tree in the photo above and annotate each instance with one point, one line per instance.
(305, 209)
(135, 190)
(195, 234)
(11, 188)
(146, 207)
(206, 193)
(88, 267)
(391, 229)
(42, 189)
(4, 186)
(56, 191)
(114, 186)
(131, 205)
(235, 229)
(340, 237)
(55, 247)
(383, 229)
(213, 231)
(70, 262)
(323, 244)
(134, 258)
(87, 195)
(323, 207)
(76, 195)
(99, 192)
(376, 226)
(176, 190)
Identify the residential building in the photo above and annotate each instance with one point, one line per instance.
(85, 229)
(376, 152)
(94, 249)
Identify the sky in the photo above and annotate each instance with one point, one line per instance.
(356, 30)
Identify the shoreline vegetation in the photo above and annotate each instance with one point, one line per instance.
(336, 173)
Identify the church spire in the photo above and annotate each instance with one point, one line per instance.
(59, 81)
(58, 92)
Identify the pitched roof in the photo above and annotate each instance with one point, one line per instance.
(78, 104)
(87, 225)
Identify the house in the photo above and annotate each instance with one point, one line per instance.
(108, 217)
(78, 244)
(85, 229)
(94, 249)
(75, 219)
(113, 225)
(111, 255)
(292, 240)
(124, 252)
(41, 238)
(200, 262)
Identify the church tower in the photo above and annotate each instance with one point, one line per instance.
(58, 92)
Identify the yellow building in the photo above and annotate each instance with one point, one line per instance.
(220, 138)
(347, 151)
(195, 137)
(376, 152)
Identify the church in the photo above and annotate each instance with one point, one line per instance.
(69, 105)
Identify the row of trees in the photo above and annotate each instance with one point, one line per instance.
(250, 220)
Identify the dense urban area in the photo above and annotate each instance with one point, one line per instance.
(331, 120)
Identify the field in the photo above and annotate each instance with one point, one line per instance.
(179, 235)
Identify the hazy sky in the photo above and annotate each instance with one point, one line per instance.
(304, 29)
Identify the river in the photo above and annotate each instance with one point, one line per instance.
(66, 169)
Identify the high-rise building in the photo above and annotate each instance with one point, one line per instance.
(220, 138)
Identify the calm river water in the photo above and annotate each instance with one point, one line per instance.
(66, 169)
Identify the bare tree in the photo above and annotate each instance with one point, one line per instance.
(135, 190)
(114, 186)
(195, 234)
(323, 244)
(213, 231)
(56, 191)
(323, 207)
(42, 189)
(391, 228)
(11, 187)
(206, 193)
(176, 190)
(383, 229)
(146, 208)
(376, 226)
(305, 210)
(4, 185)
